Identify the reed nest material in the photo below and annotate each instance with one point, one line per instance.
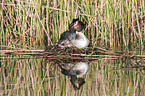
(74, 52)
(70, 53)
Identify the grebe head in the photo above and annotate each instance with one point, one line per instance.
(77, 82)
(77, 25)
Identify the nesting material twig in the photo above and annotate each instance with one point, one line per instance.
(55, 52)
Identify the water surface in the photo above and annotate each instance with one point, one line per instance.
(25, 75)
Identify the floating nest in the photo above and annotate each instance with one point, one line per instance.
(76, 53)
(68, 53)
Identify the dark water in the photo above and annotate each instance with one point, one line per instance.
(25, 75)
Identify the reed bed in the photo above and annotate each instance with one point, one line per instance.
(32, 25)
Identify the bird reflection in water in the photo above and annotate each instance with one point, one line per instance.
(75, 72)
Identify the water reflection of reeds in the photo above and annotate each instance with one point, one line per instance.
(43, 76)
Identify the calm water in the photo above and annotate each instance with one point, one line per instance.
(28, 76)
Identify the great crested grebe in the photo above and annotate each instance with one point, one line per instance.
(74, 36)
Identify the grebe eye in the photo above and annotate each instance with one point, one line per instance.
(75, 23)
